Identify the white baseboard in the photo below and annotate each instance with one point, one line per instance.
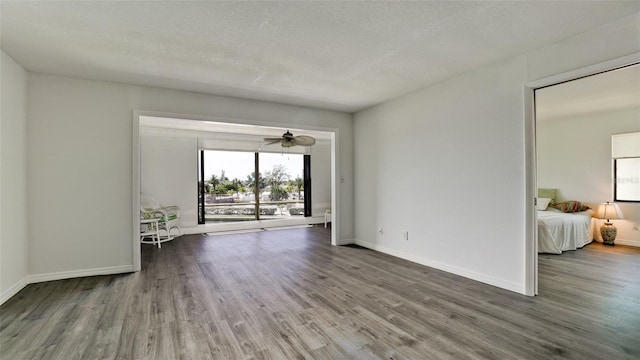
(80, 273)
(628, 242)
(490, 280)
(288, 227)
(232, 232)
(346, 241)
(14, 289)
(36, 278)
(623, 242)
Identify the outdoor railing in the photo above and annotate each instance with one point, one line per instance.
(243, 209)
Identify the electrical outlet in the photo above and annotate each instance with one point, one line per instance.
(405, 235)
(380, 230)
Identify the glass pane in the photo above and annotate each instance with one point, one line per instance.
(628, 179)
(282, 195)
(228, 178)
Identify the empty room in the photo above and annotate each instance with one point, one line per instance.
(319, 180)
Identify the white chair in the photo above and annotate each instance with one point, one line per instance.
(149, 228)
(168, 216)
(327, 217)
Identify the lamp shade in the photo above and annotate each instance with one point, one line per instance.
(608, 211)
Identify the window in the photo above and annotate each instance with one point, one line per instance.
(625, 150)
(227, 192)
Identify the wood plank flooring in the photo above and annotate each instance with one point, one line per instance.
(290, 295)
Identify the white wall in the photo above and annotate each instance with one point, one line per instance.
(320, 177)
(13, 178)
(447, 163)
(169, 173)
(574, 156)
(79, 164)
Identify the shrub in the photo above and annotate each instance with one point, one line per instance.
(296, 211)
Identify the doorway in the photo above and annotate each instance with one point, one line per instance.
(571, 101)
(198, 133)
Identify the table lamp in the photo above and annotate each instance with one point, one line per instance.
(608, 211)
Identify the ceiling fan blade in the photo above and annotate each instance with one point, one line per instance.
(304, 140)
(273, 141)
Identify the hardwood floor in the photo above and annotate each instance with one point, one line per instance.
(289, 294)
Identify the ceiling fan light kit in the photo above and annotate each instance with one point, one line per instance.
(288, 140)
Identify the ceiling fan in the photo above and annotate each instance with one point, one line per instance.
(288, 140)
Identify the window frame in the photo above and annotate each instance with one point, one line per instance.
(615, 180)
(306, 177)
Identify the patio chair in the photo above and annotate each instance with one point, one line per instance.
(327, 217)
(168, 216)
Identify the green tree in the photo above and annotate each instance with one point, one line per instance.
(276, 178)
(221, 189)
(250, 183)
(212, 184)
(290, 188)
(217, 185)
(298, 184)
(236, 186)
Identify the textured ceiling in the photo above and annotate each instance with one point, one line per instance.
(336, 55)
(609, 91)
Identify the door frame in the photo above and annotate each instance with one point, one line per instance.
(135, 165)
(531, 167)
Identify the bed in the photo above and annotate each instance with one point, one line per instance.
(559, 231)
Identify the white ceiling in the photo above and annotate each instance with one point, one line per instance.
(610, 91)
(335, 55)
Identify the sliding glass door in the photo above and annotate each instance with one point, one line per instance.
(227, 186)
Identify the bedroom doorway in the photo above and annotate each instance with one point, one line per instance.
(574, 120)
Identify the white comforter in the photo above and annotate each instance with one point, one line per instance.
(558, 232)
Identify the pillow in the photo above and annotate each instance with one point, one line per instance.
(571, 206)
(543, 203)
(547, 193)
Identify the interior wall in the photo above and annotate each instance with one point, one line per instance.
(443, 164)
(574, 156)
(80, 170)
(320, 177)
(447, 163)
(13, 178)
(169, 173)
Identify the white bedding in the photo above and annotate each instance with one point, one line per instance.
(558, 231)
